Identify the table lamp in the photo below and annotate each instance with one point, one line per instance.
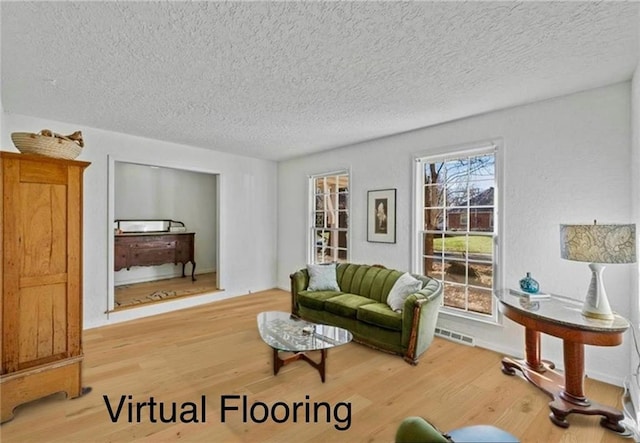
(598, 244)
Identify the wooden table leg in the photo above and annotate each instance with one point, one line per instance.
(319, 366)
(566, 391)
(277, 362)
(574, 373)
(193, 270)
(532, 349)
(532, 366)
(532, 360)
(570, 397)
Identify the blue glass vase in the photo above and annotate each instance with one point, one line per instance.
(528, 284)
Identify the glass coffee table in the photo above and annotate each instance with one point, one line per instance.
(285, 332)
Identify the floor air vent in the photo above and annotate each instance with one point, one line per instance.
(455, 336)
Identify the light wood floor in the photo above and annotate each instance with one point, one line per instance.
(215, 350)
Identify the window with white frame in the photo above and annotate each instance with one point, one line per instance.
(456, 230)
(329, 217)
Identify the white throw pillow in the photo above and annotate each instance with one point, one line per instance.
(323, 277)
(402, 288)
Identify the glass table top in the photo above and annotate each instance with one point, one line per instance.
(561, 310)
(286, 332)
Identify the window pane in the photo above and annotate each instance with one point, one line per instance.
(343, 200)
(481, 274)
(479, 300)
(434, 219)
(330, 254)
(339, 255)
(322, 245)
(455, 295)
(332, 219)
(455, 246)
(457, 194)
(432, 267)
(433, 173)
(481, 246)
(455, 271)
(481, 193)
(432, 243)
(481, 219)
(433, 196)
(343, 220)
(457, 219)
(482, 167)
(457, 172)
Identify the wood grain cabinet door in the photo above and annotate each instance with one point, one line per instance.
(42, 242)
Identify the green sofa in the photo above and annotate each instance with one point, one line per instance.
(360, 306)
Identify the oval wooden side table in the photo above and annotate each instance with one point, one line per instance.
(561, 317)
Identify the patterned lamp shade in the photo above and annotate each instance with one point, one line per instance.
(598, 243)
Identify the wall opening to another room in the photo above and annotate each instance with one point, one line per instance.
(145, 192)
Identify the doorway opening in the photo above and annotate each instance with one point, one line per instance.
(168, 247)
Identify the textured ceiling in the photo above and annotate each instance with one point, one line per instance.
(276, 80)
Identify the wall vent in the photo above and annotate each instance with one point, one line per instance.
(455, 336)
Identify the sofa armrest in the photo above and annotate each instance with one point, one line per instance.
(419, 318)
(299, 282)
(417, 429)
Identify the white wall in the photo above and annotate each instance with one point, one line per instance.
(247, 201)
(634, 308)
(565, 160)
(144, 192)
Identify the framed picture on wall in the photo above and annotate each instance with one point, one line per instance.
(381, 216)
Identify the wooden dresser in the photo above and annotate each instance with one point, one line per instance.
(155, 248)
(41, 278)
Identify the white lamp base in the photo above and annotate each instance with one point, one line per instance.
(596, 305)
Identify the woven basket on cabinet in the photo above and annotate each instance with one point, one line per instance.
(49, 144)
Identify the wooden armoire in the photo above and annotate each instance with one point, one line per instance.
(41, 278)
